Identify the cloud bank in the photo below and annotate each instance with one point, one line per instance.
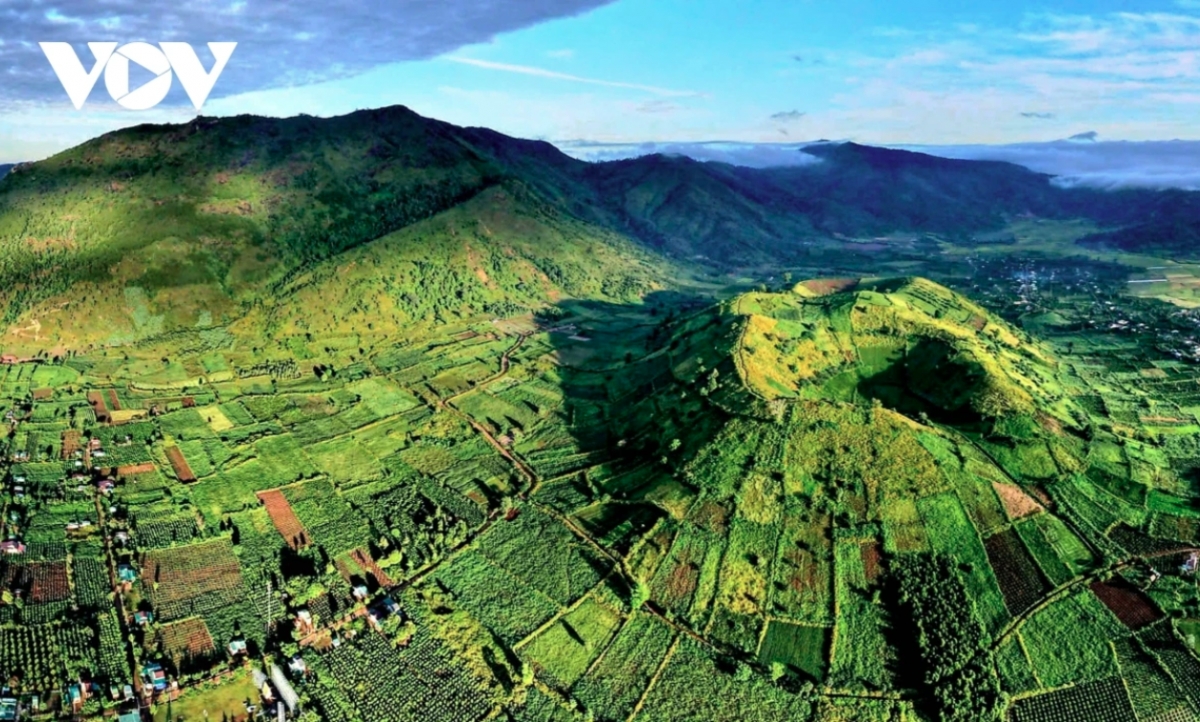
(751, 155)
(1095, 163)
(1081, 160)
(279, 44)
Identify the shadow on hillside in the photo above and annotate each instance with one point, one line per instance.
(613, 368)
(928, 381)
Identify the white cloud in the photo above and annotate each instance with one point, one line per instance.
(351, 37)
(555, 75)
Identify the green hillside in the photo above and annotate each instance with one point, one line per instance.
(874, 485)
(161, 229)
(156, 229)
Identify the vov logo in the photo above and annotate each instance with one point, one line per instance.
(165, 61)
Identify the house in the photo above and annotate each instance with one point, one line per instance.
(1190, 564)
(121, 537)
(263, 685)
(8, 708)
(76, 697)
(284, 687)
(131, 716)
(381, 609)
(298, 666)
(142, 618)
(360, 592)
(126, 573)
(12, 546)
(304, 622)
(106, 486)
(237, 646)
(153, 674)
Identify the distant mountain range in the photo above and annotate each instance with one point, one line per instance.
(5, 168)
(219, 214)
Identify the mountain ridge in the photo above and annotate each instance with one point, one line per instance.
(249, 203)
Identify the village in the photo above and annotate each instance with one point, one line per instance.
(72, 544)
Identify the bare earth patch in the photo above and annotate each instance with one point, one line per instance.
(1017, 504)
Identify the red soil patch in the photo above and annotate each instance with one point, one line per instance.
(284, 519)
(1134, 609)
(133, 469)
(113, 402)
(96, 399)
(71, 442)
(186, 639)
(681, 583)
(37, 582)
(43, 394)
(827, 286)
(1017, 504)
(49, 582)
(872, 559)
(180, 465)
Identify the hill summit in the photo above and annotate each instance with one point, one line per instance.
(913, 345)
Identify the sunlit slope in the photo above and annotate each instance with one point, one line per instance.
(916, 347)
(504, 252)
(162, 229)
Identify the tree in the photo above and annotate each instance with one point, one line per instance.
(641, 595)
(778, 670)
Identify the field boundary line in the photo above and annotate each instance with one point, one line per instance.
(662, 666)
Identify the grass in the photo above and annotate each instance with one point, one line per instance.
(1068, 643)
(951, 532)
(564, 651)
(799, 646)
(226, 700)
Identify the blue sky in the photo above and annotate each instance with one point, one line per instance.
(901, 72)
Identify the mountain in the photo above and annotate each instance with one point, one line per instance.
(916, 347)
(804, 422)
(860, 190)
(1164, 221)
(5, 168)
(160, 228)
